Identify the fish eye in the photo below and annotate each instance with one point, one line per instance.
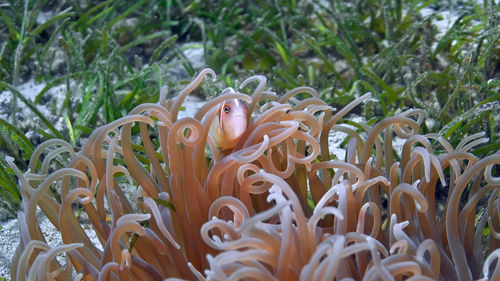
(226, 108)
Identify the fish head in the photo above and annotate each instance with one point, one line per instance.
(233, 120)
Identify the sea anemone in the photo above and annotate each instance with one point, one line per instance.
(277, 206)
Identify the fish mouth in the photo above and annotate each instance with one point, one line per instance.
(238, 125)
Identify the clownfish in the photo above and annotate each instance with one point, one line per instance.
(229, 123)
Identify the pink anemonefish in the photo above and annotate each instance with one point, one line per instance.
(229, 123)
